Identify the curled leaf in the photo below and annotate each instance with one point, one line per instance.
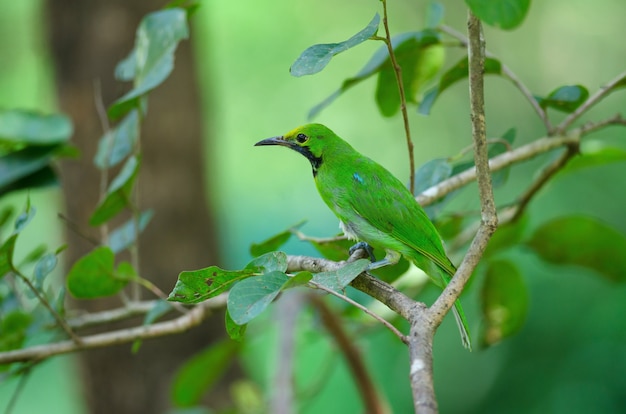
(316, 57)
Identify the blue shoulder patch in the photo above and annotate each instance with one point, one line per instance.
(357, 177)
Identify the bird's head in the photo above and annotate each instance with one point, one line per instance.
(311, 140)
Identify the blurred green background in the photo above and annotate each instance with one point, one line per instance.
(571, 355)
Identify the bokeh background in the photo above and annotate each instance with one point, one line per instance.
(571, 355)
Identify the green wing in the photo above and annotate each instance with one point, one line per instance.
(386, 204)
(383, 201)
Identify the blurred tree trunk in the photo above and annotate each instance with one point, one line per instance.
(88, 38)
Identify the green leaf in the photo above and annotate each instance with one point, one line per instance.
(268, 262)
(125, 272)
(495, 148)
(26, 127)
(119, 142)
(6, 255)
(335, 250)
(456, 73)
(299, 279)
(42, 178)
(380, 59)
(201, 372)
(152, 59)
(390, 273)
(595, 157)
(160, 308)
(505, 14)
(14, 327)
(419, 63)
(432, 173)
(504, 302)
(565, 99)
(25, 217)
(316, 57)
(118, 194)
(24, 164)
(338, 279)
(248, 298)
(5, 215)
(93, 275)
(434, 14)
(234, 331)
(43, 268)
(199, 285)
(271, 244)
(34, 254)
(582, 241)
(450, 225)
(124, 236)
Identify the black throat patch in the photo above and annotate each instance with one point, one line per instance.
(316, 162)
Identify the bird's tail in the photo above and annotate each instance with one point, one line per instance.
(461, 322)
(441, 276)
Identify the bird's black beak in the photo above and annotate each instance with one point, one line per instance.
(273, 141)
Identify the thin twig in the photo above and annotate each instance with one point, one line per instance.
(75, 338)
(533, 149)
(388, 325)
(523, 153)
(104, 172)
(122, 336)
(591, 101)
(131, 310)
(546, 174)
(405, 115)
(320, 240)
(490, 141)
(489, 218)
(590, 127)
(159, 293)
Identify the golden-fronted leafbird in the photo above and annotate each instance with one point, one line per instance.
(373, 206)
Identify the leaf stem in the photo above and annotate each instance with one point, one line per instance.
(62, 323)
(388, 325)
(405, 116)
(546, 174)
(591, 101)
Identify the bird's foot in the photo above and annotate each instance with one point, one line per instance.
(363, 246)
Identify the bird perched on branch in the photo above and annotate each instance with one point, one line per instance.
(373, 206)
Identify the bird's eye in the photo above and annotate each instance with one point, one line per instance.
(301, 138)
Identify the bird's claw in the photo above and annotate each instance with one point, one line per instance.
(363, 246)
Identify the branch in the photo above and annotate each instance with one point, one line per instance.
(423, 327)
(591, 101)
(546, 174)
(489, 218)
(112, 315)
(397, 70)
(122, 336)
(366, 283)
(540, 146)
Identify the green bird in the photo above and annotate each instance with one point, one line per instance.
(373, 206)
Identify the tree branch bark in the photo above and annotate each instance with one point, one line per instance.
(122, 336)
